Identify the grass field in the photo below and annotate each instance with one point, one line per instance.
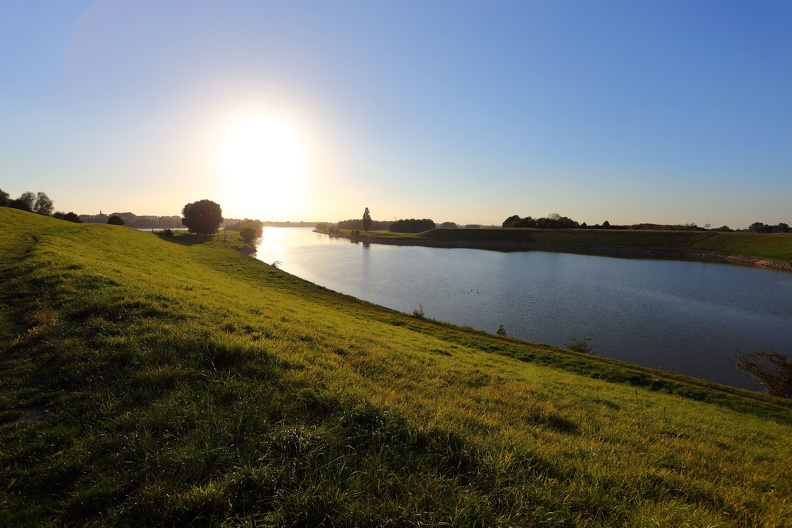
(152, 381)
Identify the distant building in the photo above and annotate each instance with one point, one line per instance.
(100, 218)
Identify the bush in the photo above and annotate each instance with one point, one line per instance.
(115, 220)
(580, 345)
(69, 217)
(772, 370)
(249, 233)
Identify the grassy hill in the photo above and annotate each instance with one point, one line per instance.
(173, 381)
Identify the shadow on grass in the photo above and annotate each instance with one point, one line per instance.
(187, 239)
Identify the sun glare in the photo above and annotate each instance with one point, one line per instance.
(263, 160)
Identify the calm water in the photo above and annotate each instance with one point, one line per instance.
(681, 316)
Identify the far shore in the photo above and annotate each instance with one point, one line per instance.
(603, 250)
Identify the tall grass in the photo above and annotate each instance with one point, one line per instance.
(162, 382)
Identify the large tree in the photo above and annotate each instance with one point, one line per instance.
(43, 204)
(203, 217)
(5, 198)
(366, 220)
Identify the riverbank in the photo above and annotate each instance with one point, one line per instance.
(772, 251)
(172, 381)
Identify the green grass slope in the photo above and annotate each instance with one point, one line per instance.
(169, 382)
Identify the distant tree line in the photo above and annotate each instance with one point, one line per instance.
(69, 217)
(357, 223)
(38, 203)
(411, 225)
(555, 221)
(324, 227)
(552, 221)
(759, 227)
(135, 221)
(235, 224)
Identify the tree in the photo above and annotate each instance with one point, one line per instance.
(248, 233)
(115, 220)
(203, 217)
(528, 221)
(366, 220)
(556, 221)
(249, 230)
(509, 222)
(43, 204)
(5, 198)
(69, 217)
(24, 202)
(772, 370)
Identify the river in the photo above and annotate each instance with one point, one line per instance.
(682, 316)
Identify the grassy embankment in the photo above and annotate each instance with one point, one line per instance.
(762, 247)
(150, 381)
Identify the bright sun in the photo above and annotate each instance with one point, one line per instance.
(264, 161)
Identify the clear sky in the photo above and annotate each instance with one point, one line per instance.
(466, 111)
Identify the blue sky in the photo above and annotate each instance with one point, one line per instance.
(665, 112)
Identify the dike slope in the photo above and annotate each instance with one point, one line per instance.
(152, 381)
